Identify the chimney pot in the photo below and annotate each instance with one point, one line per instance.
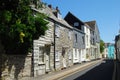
(50, 6)
(57, 9)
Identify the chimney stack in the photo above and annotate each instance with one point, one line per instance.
(57, 9)
(50, 6)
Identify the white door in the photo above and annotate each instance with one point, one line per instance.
(64, 58)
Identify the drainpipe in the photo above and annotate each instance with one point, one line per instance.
(54, 47)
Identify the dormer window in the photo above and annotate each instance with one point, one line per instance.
(76, 24)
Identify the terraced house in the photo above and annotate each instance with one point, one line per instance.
(63, 42)
(94, 40)
(53, 51)
(79, 53)
(43, 49)
(67, 41)
(87, 41)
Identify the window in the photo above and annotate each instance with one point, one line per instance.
(57, 58)
(86, 30)
(75, 53)
(83, 39)
(93, 41)
(87, 39)
(57, 30)
(82, 27)
(41, 54)
(76, 24)
(76, 38)
(70, 35)
(93, 32)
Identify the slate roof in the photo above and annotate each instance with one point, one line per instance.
(49, 12)
(91, 24)
(117, 37)
(70, 18)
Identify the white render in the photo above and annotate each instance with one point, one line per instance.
(87, 42)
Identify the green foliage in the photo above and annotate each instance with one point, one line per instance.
(18, 26)
(101, 46)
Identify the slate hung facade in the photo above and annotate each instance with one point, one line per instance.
(79, 38)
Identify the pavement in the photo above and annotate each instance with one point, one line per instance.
(56, 75)
(116, 75)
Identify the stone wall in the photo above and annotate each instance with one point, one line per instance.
(13, 67)
(44, 52)
(63, 42)
(16, 66)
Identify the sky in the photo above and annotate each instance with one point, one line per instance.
(105, 12)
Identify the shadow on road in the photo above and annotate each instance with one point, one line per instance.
(102, 72)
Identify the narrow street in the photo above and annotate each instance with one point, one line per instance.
(102, 72)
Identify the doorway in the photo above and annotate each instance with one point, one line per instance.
(64, 58)
(47, 58)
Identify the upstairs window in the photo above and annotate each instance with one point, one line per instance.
(41, 54)
(87, 39)
(70, 34)
(57, 56)
(82, 27)
(76, 38)
(76, 24)
(83, 39)
(57, 31)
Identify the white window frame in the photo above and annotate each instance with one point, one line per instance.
(70, 34)
(57, 56)
(76, 24)
(41, 54)
(57, 30)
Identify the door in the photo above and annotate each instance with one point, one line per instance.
(64, 59)
(47, 58)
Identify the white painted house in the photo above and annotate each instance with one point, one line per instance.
(87, 42)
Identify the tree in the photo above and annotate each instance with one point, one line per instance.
(19, 27)
(102, 47)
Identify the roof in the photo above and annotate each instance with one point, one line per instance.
(87, 25)
(70, 18)
(117, 37)
(49, 12)
(91, 24)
